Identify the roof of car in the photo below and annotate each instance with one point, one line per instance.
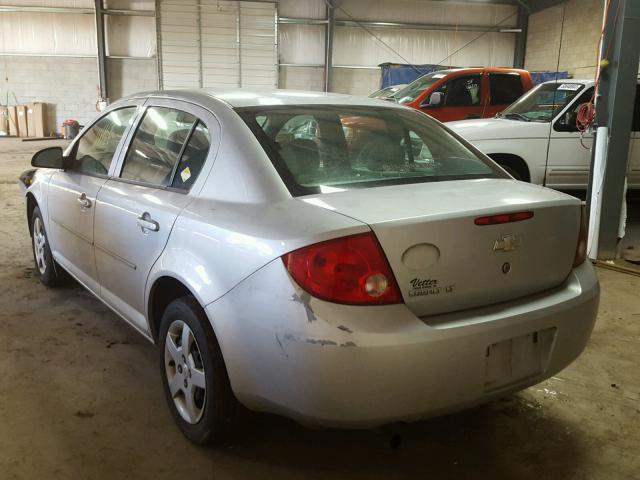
(241, 97)
(449, 71)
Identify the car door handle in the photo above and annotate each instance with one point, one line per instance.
(84, 201)
(147, 223)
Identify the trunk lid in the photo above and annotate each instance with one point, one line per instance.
(443, 261)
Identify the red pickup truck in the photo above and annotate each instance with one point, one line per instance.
(464, 93)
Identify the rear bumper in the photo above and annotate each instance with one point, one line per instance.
(348, 366)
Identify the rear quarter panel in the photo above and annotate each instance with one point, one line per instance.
(214, 245)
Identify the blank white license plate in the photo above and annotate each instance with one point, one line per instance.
(516, 359)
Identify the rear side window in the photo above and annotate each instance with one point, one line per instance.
(157, 146)
(94, 151)
(318, 149)
(505, 88)
(193, 158)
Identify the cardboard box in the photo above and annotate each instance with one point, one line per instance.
(13, 121)
(4, 121)
(22, 121)
(36, 117)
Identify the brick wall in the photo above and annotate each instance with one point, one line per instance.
(301, 78)
(582, 27)
(345, 80)
(129, 75)
(356, 81)
(67, 84)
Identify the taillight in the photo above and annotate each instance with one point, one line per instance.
(503, 218)
(581, 249)
(351, 270)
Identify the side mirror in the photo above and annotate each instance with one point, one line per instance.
(48, 158)
(435, 100)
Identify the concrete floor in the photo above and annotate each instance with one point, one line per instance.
(80, 397)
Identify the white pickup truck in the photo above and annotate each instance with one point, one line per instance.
(536, 139)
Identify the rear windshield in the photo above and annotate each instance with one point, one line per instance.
(324, 148)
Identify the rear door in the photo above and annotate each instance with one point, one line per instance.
(72, 193)
(504, 89)
(462, 99)
(157, 176)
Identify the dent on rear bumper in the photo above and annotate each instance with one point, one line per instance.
(289, 353)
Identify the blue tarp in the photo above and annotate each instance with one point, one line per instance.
(540, 77)
(397, 73)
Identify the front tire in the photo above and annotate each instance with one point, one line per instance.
(194, 375)
(51, 274)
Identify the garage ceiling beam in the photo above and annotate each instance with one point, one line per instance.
(28, 9)
(328, 47)
(521, 38)
(129, 13)
(403, 25)
(74, 10)
(301, 21)
(102, 51)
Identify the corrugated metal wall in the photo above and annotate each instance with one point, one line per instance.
(223, 43)
(216, 43)
(357, 52)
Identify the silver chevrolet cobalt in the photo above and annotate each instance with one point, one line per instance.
(342, 261)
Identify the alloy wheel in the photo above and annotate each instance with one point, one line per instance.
(185, 371)
(39, 243)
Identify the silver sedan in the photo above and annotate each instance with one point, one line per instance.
(342, 261)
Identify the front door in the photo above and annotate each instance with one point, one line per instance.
(569, 157)
(136, 210)
(72, 194)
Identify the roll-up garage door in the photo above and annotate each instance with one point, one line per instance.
(216, 43)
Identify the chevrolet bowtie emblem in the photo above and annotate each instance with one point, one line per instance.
(507, 243)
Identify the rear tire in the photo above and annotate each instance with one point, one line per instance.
(51, 274)
(195, 380)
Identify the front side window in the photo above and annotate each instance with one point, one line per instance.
(462, 91)
(542, 103)
(568, 121)
(97, 146)
(157, 145)
(504, 88)
(358, 147)
(412, 91)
